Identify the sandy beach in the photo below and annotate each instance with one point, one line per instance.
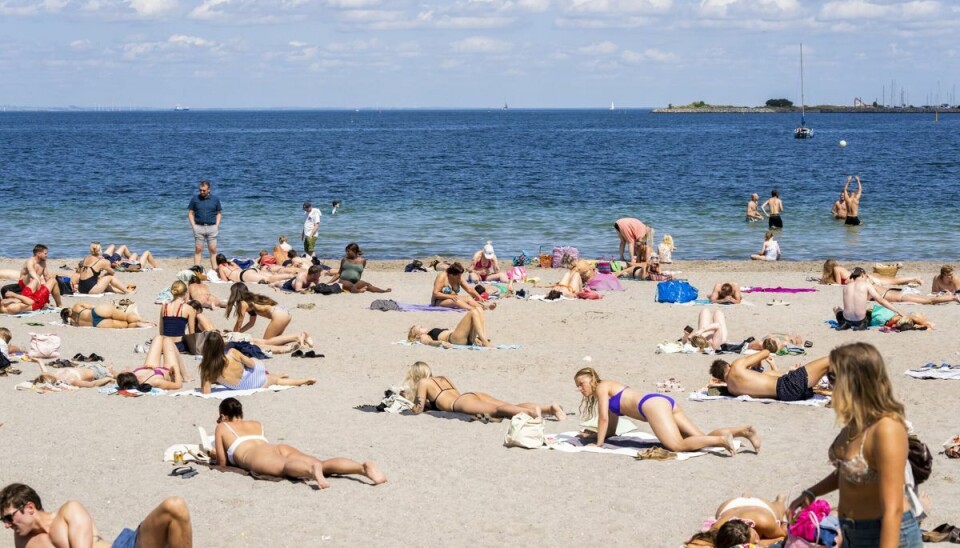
(451, 482)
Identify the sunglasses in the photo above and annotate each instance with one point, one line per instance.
(8, 518)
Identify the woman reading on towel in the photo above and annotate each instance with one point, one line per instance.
(351, 268)
(168, 376)
(103, 316)
(447, 289)
(246, 304)
(869, 454)
(235, 371)
(711, 331)
(242, 443)
(439, 393)
(471, 330)
(610, 400)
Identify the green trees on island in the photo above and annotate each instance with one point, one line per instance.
(780, 103)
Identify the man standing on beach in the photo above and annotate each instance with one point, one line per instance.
(36, 282)
(311, 225)
(776, 208)
(205, 213)
(752, 214)
(852, 200)
(71, 525)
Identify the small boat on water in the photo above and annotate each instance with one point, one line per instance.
(802, 131)
(179, 108)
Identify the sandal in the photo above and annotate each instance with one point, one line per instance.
(185, 472)
(312, 354)
(939, 534)
(94, 358)
(78, 357)
(296, 354)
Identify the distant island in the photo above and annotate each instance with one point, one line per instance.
(774, 106)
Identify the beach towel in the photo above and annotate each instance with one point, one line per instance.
(934, 371)
(466, 346)
(30, 313)
(192, 452)
(628, 444)
(387, 305)
(45, 387)
(778, 290)
(702, 302)
(85, 295)
(219, 392)
(817, 400)
(113, 389)
(213, 278)
(59, 323)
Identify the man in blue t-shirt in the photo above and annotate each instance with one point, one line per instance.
(204, 213)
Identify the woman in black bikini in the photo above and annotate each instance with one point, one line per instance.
(472, 330)
(440, 394)
(229, 271)
(99, 274)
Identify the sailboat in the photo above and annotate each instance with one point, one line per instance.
(612, 106)
(802, 131)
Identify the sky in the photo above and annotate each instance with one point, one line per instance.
(473, 53)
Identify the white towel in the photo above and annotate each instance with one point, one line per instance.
(628, 444)
(818, 400)
(85, 295)
(222, 393)
(192, 452)
(934, 373)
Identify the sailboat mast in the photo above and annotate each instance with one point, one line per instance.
(802, 99)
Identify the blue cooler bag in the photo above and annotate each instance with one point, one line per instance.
(675, 291)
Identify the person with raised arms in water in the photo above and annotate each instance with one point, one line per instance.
(852, 201)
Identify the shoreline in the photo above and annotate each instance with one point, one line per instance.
(795, 110)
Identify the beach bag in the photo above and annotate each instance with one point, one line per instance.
(524, 431)
(522, 259)
(604, 267)
(675, 291)
(64, 284)
(563, 254)
(44, 345)
(920, 459)
(517, 274)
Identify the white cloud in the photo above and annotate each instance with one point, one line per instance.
(80, 45)
(651, 54)
(599, 48)
(617, 7)
(209, 10)
(750, 8)
(855, 9)
(480, 44)
(921, 10)
(352, 4)
(153, 8)
(195, 41)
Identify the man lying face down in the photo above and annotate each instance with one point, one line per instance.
(744, 378)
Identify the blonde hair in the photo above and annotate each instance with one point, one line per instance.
(862, 394)
(178, 289)
(826, 277)
(588, 405)
(95, 249)
(415, 373)
(283, 239)
(700, 342)
(768, 235)
(668, 241)
(45, 378)
(412, 335)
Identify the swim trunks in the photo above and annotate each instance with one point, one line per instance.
(852, 221)
(794, 386)
(40, 297)
(775, 221)
(844, 323)
(126, 539)
(309, 244)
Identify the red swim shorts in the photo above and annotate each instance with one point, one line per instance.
(40, 297)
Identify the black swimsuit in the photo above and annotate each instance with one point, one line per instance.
(84, 286)
(435, 333)
(433, 402)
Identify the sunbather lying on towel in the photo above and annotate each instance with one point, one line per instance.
(881, 316)
(168, 376)
(88, 375)
(236, 371)
(471, 330)
(774, 342)
(744, 379)
(610, 400)
(439, 393)
(71, 525)
(711, 331)
(15, 303)
(102, 316)
(726, 293)
(742, 520)
(242, 443)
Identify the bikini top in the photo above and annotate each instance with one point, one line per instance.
(175, 325)
(614, 402)
(855, 470)
(433, 402)
(240, 440)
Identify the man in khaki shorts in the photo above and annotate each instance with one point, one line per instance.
(205, 213)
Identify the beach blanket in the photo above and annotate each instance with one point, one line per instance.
(221, 392)
(628, 444)
(85, 295)
(467, 346)
(214, 278)
(404, 307)
(59, 323)
(817, 400)
(778, 290)
(113, 389)
(543, 298)
(29, 314)
(934, 371)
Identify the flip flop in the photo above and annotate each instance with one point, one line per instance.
(312, 354)
(296, 354)
(184, 471)
(808, 344)
(94, 358)
(940, 533)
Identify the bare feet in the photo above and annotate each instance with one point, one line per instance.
(557, 412)
(371, 471)
(750, 433)
(309, 340)
(537, 414)
(728, 444)
(318, 476)
(310, 382)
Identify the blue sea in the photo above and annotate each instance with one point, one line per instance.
(419, 183)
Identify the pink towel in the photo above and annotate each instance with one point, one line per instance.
(779, 290)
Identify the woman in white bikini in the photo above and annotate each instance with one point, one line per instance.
(248, 305)
(869, 454)
(242, 443)
(439, 393)
(761, 521)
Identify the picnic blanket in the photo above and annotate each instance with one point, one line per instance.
(219, 392)
(627, 444)
(817, 400)
(934, 371)
(778, 289)
(467, 346)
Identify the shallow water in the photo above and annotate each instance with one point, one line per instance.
(442, 182)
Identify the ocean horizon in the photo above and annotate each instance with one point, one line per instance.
(421, 182)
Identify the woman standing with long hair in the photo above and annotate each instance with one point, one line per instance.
(869, 454)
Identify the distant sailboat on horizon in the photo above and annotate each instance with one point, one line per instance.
(802, 131)
(179, 108)
(505, 105)
(612, 106)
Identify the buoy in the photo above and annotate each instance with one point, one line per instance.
(843, 143)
